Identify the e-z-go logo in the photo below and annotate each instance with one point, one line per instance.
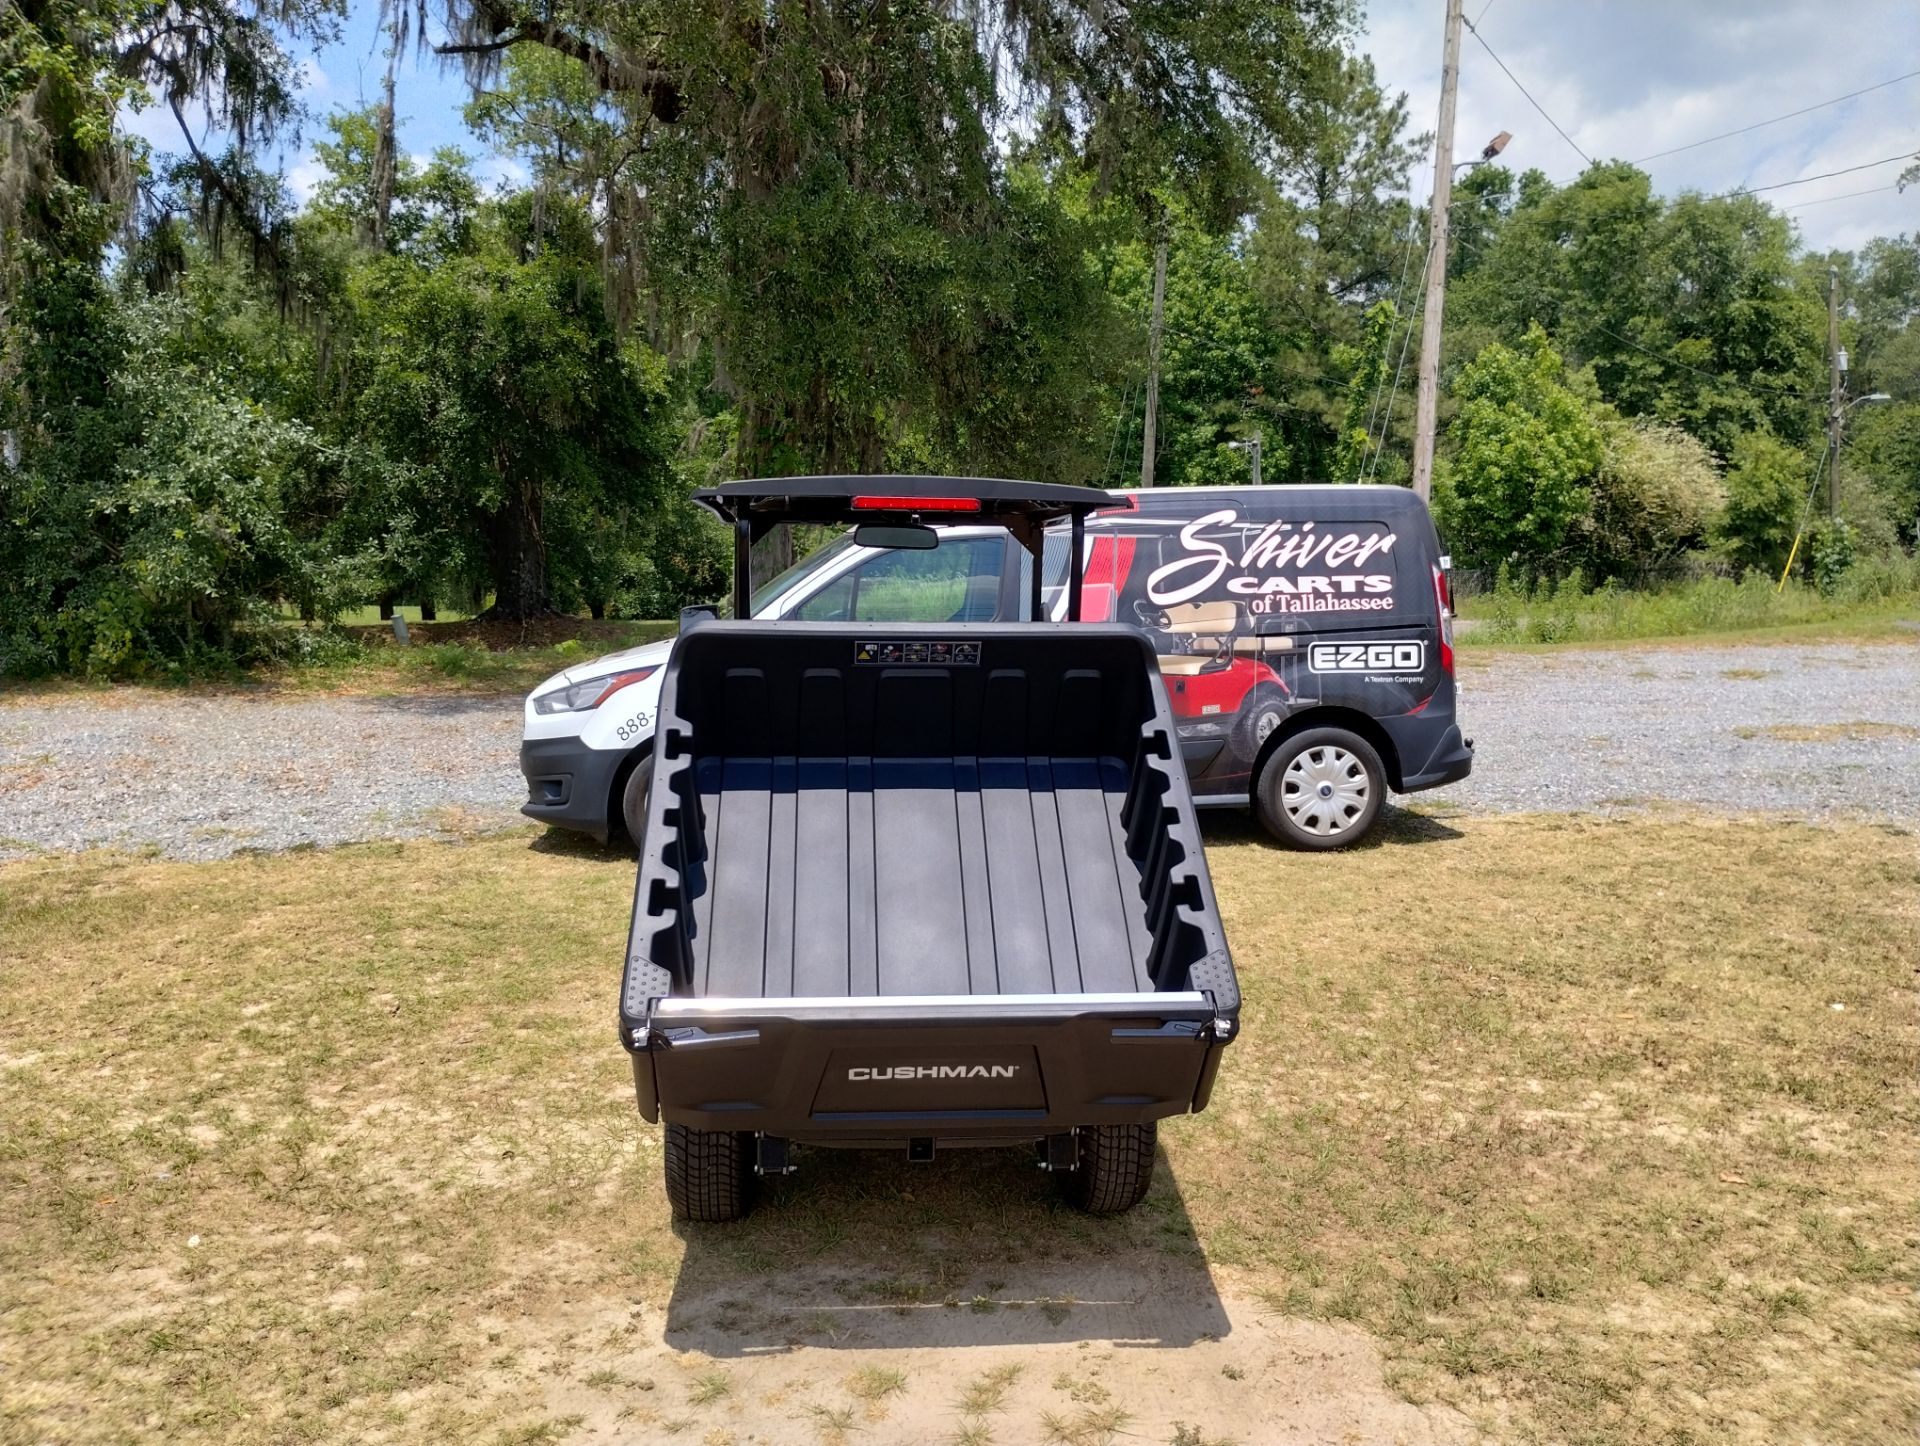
(1367, 657)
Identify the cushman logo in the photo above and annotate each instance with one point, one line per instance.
(1367, 657)
(935, 1071)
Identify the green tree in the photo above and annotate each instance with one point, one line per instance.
(1336, 235)
(1767, 483)
(1219, 357)
(817, 182)
(1686, 311)
(181, 511)
(536, 433)
(1368, 363)
(1525, 449)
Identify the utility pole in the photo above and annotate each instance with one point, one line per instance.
(1838, 365)
(1153, 359)
(1427, 403)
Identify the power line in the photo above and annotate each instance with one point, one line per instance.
(1848, 196)
(1483, 12)
(1824, 175)
(1529, 95)
(1674, 361)
(1386, 339)
(1774, 120)
(1386, 418)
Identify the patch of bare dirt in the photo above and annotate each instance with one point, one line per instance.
(1138, 1350)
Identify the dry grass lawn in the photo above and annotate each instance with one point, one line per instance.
(1603, 1129)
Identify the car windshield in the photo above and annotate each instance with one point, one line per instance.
(805, 568)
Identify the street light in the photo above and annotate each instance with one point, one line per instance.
(1252, 447)
(1869, 397)
(1488, 151)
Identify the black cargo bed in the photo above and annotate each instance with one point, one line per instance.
(896, 884)
(954, 875)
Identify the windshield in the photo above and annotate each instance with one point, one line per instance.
(805, 568)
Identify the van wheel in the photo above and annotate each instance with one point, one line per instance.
(633, 800)
(709, 1173)
(1116, 1167)
(1321, 789)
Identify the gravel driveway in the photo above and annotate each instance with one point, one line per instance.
(1829, 729)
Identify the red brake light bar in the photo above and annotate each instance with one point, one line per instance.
(917, 504)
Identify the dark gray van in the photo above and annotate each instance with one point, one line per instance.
(1306, 638)
(1303, 633)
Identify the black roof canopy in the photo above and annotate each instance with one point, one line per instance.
(754, 508)
(1023, 507)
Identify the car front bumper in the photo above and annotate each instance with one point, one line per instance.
(570, 785)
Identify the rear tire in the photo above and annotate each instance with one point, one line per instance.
(1321, 789)
(633, 800)
(709, 1174)
(1116, 1167)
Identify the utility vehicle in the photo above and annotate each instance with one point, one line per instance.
(918, 885)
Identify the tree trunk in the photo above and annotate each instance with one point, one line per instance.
(519, 556)
(428, 612)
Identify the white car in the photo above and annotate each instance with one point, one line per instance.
(587, 748)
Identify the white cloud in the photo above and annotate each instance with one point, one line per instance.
(502, 170)
(304, 177)
(315, 83)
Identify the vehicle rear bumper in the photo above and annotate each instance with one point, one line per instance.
(1450, 760)
(569, 784)
(823, 1070)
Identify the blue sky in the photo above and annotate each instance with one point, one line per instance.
(1625, 79)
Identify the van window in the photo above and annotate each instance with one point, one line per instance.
(956, 582)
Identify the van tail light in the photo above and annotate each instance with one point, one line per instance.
(1443, 602)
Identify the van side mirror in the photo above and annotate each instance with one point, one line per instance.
(910, 536)
(699, 613)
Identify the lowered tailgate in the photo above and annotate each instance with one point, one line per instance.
(934, 1065)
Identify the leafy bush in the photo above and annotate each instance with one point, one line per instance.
(1830, 553)
(1656, 495)
(1767, 485)
(1526, 450)
(167, 514)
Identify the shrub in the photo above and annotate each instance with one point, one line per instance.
(1767, 484)
(1656, 494)
(1829, 552)
(1526, 448)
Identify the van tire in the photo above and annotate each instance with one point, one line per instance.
(1116, 1167)
(709, 1174)
(633, 800)
(1320, 759)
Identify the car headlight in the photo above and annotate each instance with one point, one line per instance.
(588, 692)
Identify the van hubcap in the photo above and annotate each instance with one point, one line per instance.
(1324, 790)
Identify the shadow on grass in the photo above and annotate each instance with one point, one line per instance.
(1395, 826)
(864, 1250)
(568, 844)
